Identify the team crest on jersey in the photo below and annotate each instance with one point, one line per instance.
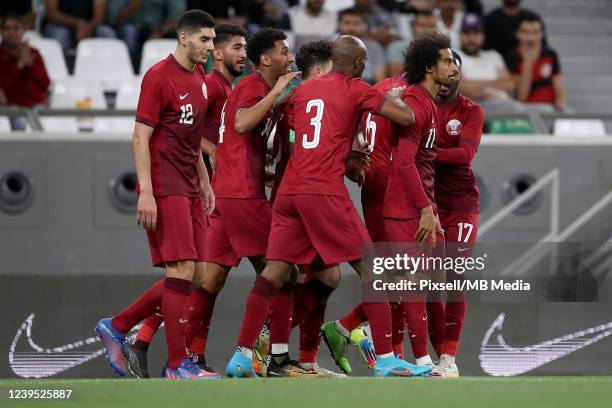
(546, 70)
(453, 127)
(204, 90)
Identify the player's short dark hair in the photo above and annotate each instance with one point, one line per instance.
(10, 16)
(311, 54)
(351, 11)
(423, 53)
(194, 20)
(225, 32)
(457, 58)
(263, 41)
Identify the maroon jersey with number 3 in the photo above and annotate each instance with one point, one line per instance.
(241, 157)
(324, 113)
(173, 101)
(459, 127)
(409, 191)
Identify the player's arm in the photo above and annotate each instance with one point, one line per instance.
(248, 118)
(413, 187)
(146, 213)
(396, 110)
(210, 150)
(468, 141)
(205, 189)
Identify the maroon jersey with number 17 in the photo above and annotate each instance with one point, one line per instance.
(459, 131)
(324, 113)
(173, 101)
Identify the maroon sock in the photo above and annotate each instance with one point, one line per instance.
(141, 308)
(257, 310)
(306, 297)
(176, 295)
(416, 316)
(281, 309)
(199, 312)
(455, 316)
(398, 322)
(354, 318)
(147, 331)
(436, 321)
(310, 333)
(379, 316)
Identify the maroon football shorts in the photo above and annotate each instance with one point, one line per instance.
(460, 230)
(305, 226)
(181, 230)
(238, 228)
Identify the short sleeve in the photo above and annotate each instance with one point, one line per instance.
(368, 98)
(151, 101)
(556, 64)
(472, 128)
(250, 95)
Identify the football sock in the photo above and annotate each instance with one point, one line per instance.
(398, 321)
(379, 316)
(308, 295)
(354, 318)
(455, 316)
(256, 313)
(416, 316)
(310, 333)
(147, 331)
(176, 295)
(141, 308)
(199, 312)
(435, 313)
(281, 309)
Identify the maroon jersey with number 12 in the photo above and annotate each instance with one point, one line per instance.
(173, 101)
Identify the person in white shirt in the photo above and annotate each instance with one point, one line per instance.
(311, 19)
(449, 16)
(486, 78)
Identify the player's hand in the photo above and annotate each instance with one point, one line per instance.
(146, 212)
(356, 175)
(284, 80)
(208, 196)
(395, 95)
(427, 226)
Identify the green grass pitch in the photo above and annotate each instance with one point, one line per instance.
(472, 392)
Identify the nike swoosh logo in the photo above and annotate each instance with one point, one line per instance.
(183, 96)
(499, 359)
(463, 249)
(181, 321)
(40, 362)
(388, 335)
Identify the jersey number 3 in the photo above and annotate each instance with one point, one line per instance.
(315, 122)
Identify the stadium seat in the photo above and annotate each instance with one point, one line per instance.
(127, 98)
(53, 56)
(154, 51)
(75, 93)
(5, 124)
(59, 124)
(127, 94)
(579, 128)
(105, 60)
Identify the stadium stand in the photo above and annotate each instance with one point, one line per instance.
(154, 51)
(52, 55)
(104, 60)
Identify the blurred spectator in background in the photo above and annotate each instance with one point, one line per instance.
(139, 20)
(24, 81)
(24, 9)
(473, 6)
(485, 76)
(224, 12)
(379, 22)
(501, 25)
(351, 21)
(448, 18)
(406, 12)
(269, 13)
(422, 23)
(536, 67)
(70, 21)
(311, 19)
